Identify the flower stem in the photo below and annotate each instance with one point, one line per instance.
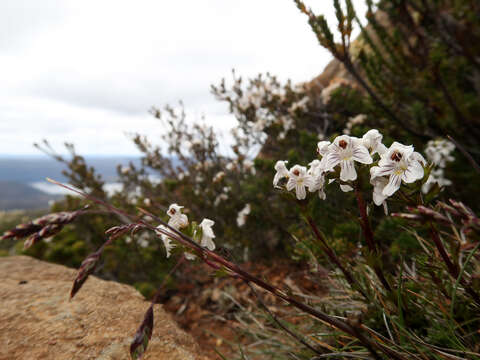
(334, 259)
(369, 238)
(452, 268)
(283, 327)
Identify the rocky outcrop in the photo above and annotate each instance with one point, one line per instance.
(37, 320)
(335, 72)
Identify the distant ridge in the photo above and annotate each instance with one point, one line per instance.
(14, 195)
(30, 169)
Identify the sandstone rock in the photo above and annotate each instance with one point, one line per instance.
(37, 320)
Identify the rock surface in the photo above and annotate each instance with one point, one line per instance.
(37, 321)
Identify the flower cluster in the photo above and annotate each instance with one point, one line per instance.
(396, 164)
(265, 102)
(438, 152)
(202, 233)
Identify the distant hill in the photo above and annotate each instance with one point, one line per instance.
(22, 178)
(15, 195)
(29, 169)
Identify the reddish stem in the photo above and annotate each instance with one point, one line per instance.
(333, 257)
(369, 238)
(452, 268)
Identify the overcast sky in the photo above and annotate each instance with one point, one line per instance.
(87, 71)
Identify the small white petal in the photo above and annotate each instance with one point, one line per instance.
(291, 184)
(347, 170)
(418, 157)
(360, 154)
(331, 160)
(322, 195)
(276, 179)
(300, 191)
(381, 149)
(379, 184)
(189, 256)
(393, 185)
(413, 172)
(308, 181)
(377, 171)
(346, 188)
(322, 147)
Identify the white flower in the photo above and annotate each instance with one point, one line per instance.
(230, 166)
(189, 256)
(327, 92)
(259, 125)
(317, 173)
(356, 120)
(399, 165)
(439, 152)
(322, 150)
(418, 157)
(379, 184)
(242, 215)
(344, 151)
(125, 170)
(436, 176)
(301, 104)
(244, 103)
(177, 219)
(298, 180)
(315, 167)
(195, 142)
(372, 140)
(345, 187)
(220, 198)
(282, 172)
(207, 234)
(167, 242)
(218, 176)
(147, 202)
(322, 147)
(143, 243)
(249, 165)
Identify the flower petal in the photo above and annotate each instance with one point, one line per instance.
(381, 149)
(360, 154)
(377, 171)
(347, 171)
(291, 184)
(208, 243)
(414, 172)
(276, 178)
(393, 185)
(300, 191)
(346, 188)
(331, 160)
(322, 195)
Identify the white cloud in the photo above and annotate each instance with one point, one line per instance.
(88, 71)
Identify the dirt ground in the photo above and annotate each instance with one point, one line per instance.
(205, 306)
